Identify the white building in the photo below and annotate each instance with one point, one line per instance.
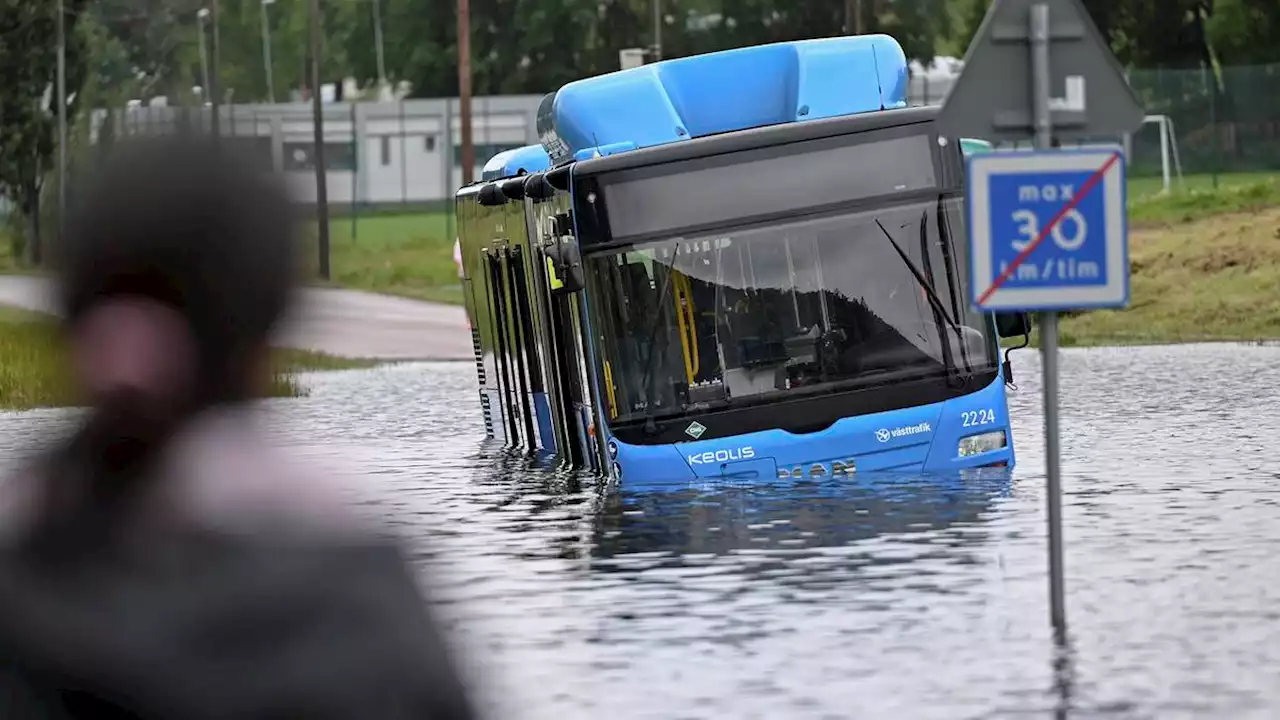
(377, 153)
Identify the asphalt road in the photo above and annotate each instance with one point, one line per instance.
(349, 323)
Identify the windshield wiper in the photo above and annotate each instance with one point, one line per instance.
(948, 260)
(939, 309)
(651, 367)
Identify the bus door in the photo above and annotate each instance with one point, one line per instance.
(563, 373)
(500, 309)
(524, 349)
(569, 369)
(569, 310)
(549, 409)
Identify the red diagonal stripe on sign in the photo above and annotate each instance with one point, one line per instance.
(1089, 184)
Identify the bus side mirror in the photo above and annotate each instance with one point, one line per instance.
(564, 267)
(1014, 324)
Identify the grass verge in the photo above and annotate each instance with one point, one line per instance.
(1242, 193)
(407, 255)
(1217, 278)
(34, 371)
(1205, 268)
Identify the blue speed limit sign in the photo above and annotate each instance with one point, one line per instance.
(1047, 230)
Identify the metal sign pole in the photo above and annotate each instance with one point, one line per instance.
(1018, 199)
(1039, 19)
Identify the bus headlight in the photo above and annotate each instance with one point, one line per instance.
(982, 442)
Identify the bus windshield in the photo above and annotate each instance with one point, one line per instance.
(813, 304)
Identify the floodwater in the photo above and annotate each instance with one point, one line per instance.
(887, 598)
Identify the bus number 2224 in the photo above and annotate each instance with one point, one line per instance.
(974, 418)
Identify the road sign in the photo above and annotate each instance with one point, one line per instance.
(992, 99)
(1048, 230)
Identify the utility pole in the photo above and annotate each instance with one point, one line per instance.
(213, 70)
(657, 30)
(266, 53)
(464, 91)
(853, 17)
(377, 39)
(317, 115)
(62, 122)
(201, 16)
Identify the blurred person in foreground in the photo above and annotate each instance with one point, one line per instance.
(164, 561)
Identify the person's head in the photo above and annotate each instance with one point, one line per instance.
(175, 266)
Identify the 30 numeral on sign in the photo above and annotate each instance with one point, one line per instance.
(1029, 229)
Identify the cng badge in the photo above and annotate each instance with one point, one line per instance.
(695, 429)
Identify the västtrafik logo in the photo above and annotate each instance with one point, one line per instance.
(885, 434)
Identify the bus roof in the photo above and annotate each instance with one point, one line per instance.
(517, 161)
(722, 92)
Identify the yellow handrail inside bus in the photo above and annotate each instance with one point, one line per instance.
(608, 386)
(685, 321)
(551, 275)
(693, 328)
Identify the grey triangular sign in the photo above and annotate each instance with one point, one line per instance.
(991, 100)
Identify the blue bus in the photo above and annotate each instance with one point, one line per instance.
(743, 264)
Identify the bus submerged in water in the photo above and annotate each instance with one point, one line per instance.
(744, 264)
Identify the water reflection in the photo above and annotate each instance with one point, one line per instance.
(721, 517)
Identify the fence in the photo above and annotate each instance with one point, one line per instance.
(1233, 130)
(1223, 123)
(929, 89)
(376, 154)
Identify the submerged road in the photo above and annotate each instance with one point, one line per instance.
(348, 323)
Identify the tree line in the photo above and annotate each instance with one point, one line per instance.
(145, 48)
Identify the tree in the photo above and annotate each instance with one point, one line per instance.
(1245, 32)
(1142, 33)
(28, 77)
(159, 43)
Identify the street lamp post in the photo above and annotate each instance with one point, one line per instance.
(266, 53)
(62, 116)
(201, 16)
(377, 37)
(464, 91)
(317, 118)
(657, 30)
(213, 69)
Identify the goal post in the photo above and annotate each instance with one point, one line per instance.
(1170, 160)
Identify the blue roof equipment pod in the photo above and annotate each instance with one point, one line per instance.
(517, 161)
(722, 92)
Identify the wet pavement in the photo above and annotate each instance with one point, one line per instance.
(894, 597)
(348, 323)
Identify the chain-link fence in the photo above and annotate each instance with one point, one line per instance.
(1215, 123)
(1228, 122)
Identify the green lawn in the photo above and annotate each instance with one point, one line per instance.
(1197, 199)
(1147, 187)
(409, 255)
(33, 370)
